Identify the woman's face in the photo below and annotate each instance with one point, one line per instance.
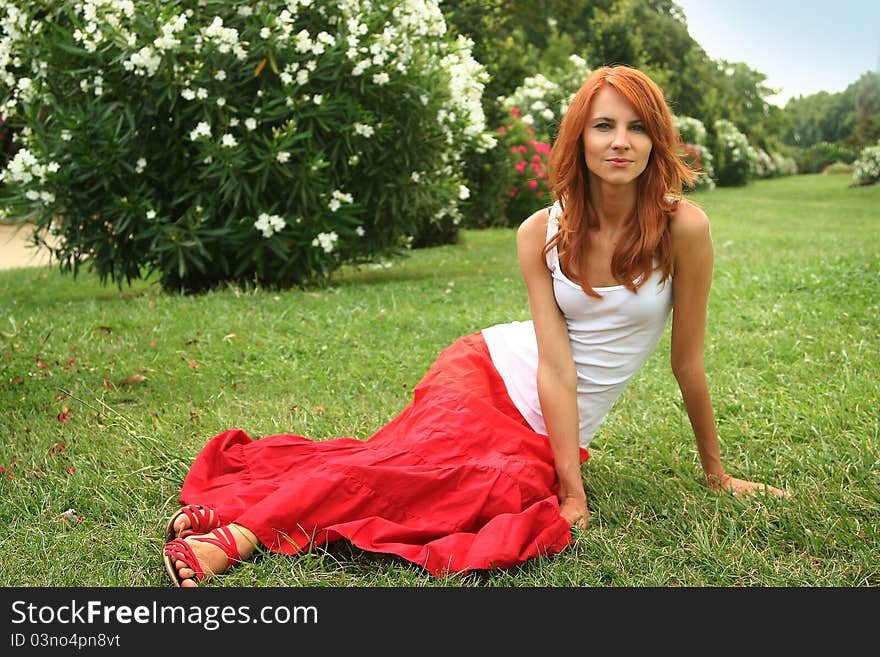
(616, 146)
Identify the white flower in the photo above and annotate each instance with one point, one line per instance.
(201, 130)
(317, 99)
(228, 140)
(463, 192)
(282, 156)
(360, 231)
(364, 130)
(338, 198)
(144, 62)
(221, 101)
(269, 224)
(326, 241)
(250, 123)
(415, 176)
(380, 78)
(151, 214)
(141, 165)
(188, 94)
(220, 75)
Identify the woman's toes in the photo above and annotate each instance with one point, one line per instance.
(183, 570)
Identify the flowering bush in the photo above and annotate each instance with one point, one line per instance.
(735, 159)
(866, 169)
(693, 136)
(529, 184)
(224, 141)
(543, 100)
(818, 156)
(773, 164)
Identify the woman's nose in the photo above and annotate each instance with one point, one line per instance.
(621, 140)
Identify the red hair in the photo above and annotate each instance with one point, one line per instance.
(646, 244)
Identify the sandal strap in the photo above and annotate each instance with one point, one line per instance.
(179, 550)
(222, 537)
(201, 519)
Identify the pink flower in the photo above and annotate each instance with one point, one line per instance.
(521, 166)
(533, 184)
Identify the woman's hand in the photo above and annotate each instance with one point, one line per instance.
(575, 511)
(742, 487)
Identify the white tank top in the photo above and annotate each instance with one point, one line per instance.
(611, 338)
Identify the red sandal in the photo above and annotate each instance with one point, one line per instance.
(201, 521)
(178, 549)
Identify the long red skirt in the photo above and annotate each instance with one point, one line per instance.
(457, 481)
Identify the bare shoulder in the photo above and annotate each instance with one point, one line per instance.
(689, 225)
(535, 223)
(688, 217)
(534, 228)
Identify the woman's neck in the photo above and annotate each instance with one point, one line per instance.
(614, 206)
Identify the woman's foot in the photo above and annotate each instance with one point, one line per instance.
(210, 557)
(191, 519)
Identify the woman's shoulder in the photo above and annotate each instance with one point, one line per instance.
(535, 225)
(688, 221)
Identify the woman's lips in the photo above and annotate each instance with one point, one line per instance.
(619, 162)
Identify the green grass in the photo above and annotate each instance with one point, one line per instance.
(792, 357)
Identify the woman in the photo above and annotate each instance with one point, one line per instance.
(483, 468)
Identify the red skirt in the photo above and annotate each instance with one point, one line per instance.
(457, 481)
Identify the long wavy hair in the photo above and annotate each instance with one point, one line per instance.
(645, 245)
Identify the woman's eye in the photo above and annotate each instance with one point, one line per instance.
(638, 128)
(602, 126)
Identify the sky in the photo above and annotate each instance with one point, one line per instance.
(802, 46)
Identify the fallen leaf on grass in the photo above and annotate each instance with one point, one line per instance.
(133, 380)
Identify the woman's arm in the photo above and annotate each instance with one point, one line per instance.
(557, 376)
(693, 256)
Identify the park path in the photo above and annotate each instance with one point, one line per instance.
(16, 249)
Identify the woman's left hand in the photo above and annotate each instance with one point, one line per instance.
(742, 487)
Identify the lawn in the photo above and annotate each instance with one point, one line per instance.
(106, 396)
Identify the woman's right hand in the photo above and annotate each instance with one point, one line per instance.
(575, 511)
